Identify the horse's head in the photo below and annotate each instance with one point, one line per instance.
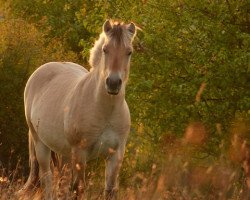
(116, 52)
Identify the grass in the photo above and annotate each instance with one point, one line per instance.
(182, 173)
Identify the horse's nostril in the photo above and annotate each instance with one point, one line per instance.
(108, 81)
(119, 82)
(113, 83)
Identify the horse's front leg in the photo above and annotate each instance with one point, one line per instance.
(113, 165)
(78, 166)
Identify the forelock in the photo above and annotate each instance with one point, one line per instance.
(119, 34)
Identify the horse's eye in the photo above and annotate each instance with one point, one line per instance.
(105, 50)
(129, 53)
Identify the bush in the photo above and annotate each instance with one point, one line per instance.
(22, 50)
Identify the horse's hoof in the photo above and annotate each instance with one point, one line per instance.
(23, 193)
(20, 193)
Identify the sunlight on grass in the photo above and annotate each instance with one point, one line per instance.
(180, 176)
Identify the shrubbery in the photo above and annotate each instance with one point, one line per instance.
(22, 50)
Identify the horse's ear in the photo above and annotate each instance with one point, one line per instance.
(107, 26)
(131, 28)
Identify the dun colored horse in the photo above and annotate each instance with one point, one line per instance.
(80, 114)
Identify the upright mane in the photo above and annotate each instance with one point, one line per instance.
(96, 51)
(119, 34)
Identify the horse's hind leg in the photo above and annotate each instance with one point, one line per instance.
(43, 154)
(33, 179)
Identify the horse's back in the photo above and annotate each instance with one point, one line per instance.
(54, 70)
(53, 74)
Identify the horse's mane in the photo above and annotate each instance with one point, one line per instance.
(96, 51)
(118, 34)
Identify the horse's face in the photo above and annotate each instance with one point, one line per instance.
(117, 50)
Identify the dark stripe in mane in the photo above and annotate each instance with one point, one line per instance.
(117, 32)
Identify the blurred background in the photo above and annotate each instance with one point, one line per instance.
(188, 91)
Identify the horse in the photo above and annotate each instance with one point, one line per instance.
(81, 114)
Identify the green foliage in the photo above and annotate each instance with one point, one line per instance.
(19, 50)
(185, 44)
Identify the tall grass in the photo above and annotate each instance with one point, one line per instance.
(183, 174)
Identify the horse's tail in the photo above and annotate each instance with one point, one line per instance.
(33, 180)
(34, 167)
(56, 160)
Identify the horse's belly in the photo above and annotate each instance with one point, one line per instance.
(57, 143)
(51, 133)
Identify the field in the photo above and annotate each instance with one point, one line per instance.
(177, 176)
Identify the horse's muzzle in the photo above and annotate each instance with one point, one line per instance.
(113, 84)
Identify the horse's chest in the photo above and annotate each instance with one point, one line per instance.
(106, 143)
(98, 135)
